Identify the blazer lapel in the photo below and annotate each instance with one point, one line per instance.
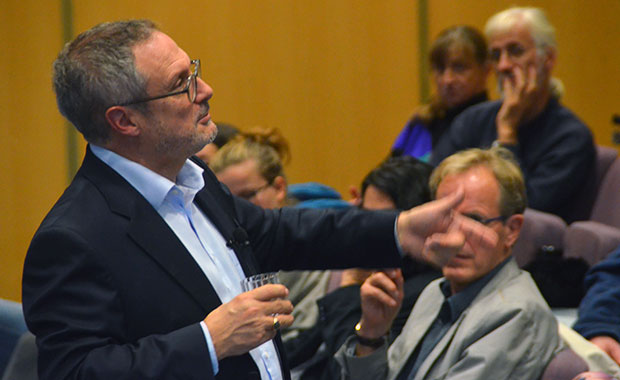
(150, 231)
(439, 349)
(220, 210)
(422, 316)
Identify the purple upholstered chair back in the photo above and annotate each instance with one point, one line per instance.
(589, 191)
(594, 239)
(606, 208)
(539, 229)
(565, 365)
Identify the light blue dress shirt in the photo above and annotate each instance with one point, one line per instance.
(175, 204)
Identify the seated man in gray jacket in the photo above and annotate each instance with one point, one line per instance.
(485, 318)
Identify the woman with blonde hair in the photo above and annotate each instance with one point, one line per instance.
(252, 166)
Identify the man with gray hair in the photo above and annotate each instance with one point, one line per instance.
(553, 147)
(136, 271)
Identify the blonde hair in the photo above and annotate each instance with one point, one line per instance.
(266, 146)
(502, 164)
(541, 30)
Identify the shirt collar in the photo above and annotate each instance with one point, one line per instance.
(152, 186)
(460, 301)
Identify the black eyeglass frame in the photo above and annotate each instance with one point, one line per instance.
(192, 78)
(251, 194)
(488, 221)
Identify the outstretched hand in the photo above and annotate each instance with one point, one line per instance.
(434, 232)
(247, 321)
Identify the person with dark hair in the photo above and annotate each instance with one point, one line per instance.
(225, 133)
(459, 70)
(136, 271)
(402, 180)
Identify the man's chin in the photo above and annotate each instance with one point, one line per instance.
(210, 131)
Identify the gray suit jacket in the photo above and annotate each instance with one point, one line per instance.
(508, 332)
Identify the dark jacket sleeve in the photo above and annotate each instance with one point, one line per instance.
(309, 239)
(599, 312)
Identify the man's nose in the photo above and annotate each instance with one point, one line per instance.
(504, 63)
(203, 92)
(448, 76)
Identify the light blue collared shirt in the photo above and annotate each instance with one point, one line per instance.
(175, 204)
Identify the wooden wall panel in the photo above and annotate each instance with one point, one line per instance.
(32, 152)
(339, 78)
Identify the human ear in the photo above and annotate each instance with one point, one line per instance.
(121, 120)
(513, 227)
(550, 58)
(279, 184)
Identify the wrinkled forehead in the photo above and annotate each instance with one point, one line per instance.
(481, 188)
(519, 33)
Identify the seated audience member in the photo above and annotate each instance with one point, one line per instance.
(599, 312)
(553, 147)
(485, 319)
(459, 70)
(225, 132)
(252, 166)
(397, 183)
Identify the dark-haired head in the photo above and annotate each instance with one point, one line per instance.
(404, 179)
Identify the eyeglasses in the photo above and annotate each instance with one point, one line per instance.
(190, 87)
(249, 194)
(514, 51)
(486, 222)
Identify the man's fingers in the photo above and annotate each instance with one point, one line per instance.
(532, 78)
(269, 292)
(383, 282)
(508, 87)
(449, 202)
(278, 306)
(476, 233)
(378, 295)
(282, 322)
(440, 248)
(395, 274)
(519, 78)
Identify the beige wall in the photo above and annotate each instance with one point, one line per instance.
(338, 77)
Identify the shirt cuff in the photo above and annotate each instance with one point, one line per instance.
(400, 249)
(211, 347)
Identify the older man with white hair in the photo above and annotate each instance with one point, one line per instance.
(553, 147)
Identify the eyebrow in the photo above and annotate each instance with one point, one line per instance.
(182, 74)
